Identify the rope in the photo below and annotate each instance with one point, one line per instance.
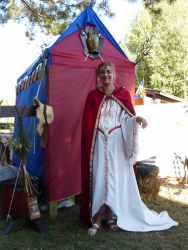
(8, 216)
(45, 61)
(30, 183)
(38, 89)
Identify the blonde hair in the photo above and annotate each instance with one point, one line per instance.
(106, 63)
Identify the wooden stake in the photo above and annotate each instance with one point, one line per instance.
(52, 209)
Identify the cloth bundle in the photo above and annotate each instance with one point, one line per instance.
(45, 115)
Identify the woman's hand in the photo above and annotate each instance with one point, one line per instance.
(141, 121)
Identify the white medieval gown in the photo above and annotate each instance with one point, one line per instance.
(114, 182)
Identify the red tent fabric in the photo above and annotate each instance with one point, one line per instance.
(69, 81)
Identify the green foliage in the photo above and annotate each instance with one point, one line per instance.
(154, 6)
(22, 145)
(52, 17)
(7, 125)
(168, 38)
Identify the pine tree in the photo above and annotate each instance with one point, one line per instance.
(49, 16)
(54, 16)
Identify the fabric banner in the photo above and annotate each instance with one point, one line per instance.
(67, 91)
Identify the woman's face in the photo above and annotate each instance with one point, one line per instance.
(106, 75)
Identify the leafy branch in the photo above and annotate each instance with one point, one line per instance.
(144, 52)
(52, 17)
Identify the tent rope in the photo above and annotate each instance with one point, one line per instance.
(8, 216)
(45, 61)
(38, 89)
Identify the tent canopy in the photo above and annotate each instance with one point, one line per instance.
(87, 16)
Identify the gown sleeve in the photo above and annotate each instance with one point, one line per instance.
(130, 130)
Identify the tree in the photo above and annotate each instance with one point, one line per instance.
(51, 16)
(153, 6)
(169, 42)
(54, 16)
(140, 31)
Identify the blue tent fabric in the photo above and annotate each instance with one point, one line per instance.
(87, 16)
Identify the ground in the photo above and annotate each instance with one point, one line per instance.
(68, 232)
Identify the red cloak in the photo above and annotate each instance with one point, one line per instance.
(94, 102)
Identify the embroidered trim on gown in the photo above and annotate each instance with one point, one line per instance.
(114, 182)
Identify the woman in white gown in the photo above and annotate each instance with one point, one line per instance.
(114, 188)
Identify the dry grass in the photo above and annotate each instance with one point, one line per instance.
(149, 186)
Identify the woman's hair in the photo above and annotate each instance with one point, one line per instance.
(106, 63)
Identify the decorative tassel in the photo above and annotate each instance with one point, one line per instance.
(32, 78)
(19, 88)
(22, 85)
(25, 84)
(27, 81)
(35, 75)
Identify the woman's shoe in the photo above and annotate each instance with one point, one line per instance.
(113, 226)
(93, 230)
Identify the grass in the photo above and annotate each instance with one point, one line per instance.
(68, 232)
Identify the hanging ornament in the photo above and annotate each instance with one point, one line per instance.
(92, 41)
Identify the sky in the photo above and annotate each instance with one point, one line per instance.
(17, 52)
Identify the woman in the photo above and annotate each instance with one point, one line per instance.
(109, 150)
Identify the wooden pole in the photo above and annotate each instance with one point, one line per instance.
(52, 209)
